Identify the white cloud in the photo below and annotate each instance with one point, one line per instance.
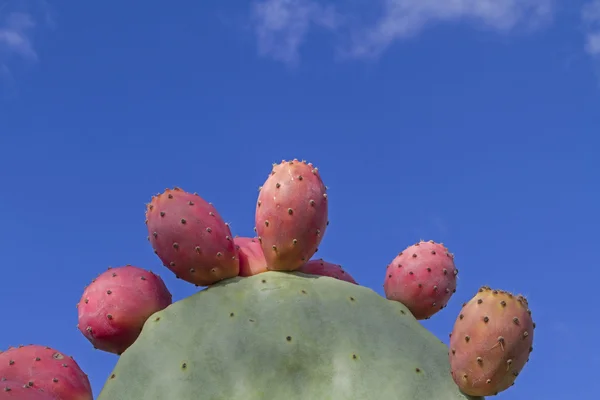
(15, 35)
(591, 18)
(282, 25)
(406, 18)
(20, 21)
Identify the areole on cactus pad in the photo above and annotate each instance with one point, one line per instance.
(284, 335)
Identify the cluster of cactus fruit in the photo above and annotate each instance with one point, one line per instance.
(274, 322)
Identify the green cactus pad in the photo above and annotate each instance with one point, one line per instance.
(288, 336)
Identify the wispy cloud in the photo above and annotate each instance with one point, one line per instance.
(403, 19)
(20, 21)
(16, 35)
(282, 25)
(590, 15)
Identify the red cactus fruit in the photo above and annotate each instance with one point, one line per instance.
(115, 306)
(422, 277)
(491, 342)
(291, 215)
(44, 369)
(252, 258)
(324, 268)
(20, 391)
(190, 237)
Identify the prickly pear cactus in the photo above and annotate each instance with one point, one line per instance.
(491, 342)
(323, 268)
(422, 277)
(252, 259)
(190, 237)
(291, 215)
(284, 335)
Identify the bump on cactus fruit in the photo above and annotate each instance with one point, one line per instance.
(291, 215)
(252, 258)
(46, 369)
(284, 335)
(19, 391)
(190, 237)
(491, 342)
(422, 277)
(324, 268)
(115, 306)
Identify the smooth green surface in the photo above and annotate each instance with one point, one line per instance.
(284, 336)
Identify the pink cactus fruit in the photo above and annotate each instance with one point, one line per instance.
(115, 306)
(44, 369)
(422, 277)
(252, 258)
(190, 237)
(20, 391)
(291, 215)
(324, 268)
(491, 342)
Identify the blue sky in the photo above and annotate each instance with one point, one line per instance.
(469, 122)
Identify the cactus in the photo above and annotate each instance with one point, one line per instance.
(46, 369)
(191, 238)
(114, 307)
(19, 391)
(252, 258)
(273, 324)
(283, 335)
(422, 277)
(291, 215)
(491, 342)
(324, 268)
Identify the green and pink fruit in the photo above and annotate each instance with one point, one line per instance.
(324, 268)
(20, 391)
(115, 306)
(190, 237)
(252, 258)
(46, 369)
(491, 342)
(291, 215)
(422, 277)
